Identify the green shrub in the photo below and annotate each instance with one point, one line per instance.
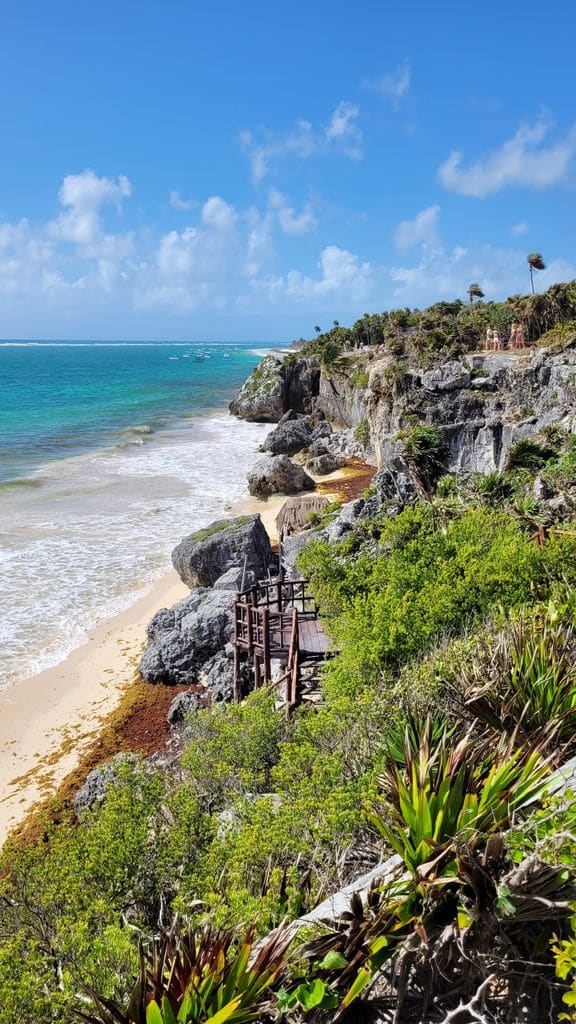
(362, 433)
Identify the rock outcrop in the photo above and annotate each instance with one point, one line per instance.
(289, 437)
(276, 386)
(276, 474)
(184, 640)
(320, 465)
(229, 544)
(97, 782)
(480, 404)
(261, 397)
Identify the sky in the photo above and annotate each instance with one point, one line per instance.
(226, 171)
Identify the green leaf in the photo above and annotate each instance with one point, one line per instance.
(153, 1013)
(357, 986)
(313, 995)
(225, 1013)
(167, 1015)
(333, 961)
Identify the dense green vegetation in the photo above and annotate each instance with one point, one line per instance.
(448, 329)
(448, 701)
(265, 816)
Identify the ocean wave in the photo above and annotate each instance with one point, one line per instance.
(24, 483)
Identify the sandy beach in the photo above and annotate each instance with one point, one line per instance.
(48, 721)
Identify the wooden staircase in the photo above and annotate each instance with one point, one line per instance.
(278, 620)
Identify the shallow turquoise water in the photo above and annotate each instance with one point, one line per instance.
(58, 399)
(109, 455)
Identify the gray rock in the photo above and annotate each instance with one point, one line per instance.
(185, 637)
(183, 705)
(450, 377)
(301, 384)
(327, 463)
(540, 489)
(289, 437)
(289, 415)
(217, 675)
(292, 547)
(276, 474)
(234, 578)
(97, 782)
(261, 397)
(318, 448)
(346, 519)
(203, 557)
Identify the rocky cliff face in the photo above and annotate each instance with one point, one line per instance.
(480, 405)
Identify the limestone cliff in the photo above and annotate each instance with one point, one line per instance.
(480, 404)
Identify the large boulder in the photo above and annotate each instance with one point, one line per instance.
(289, 437)
(276, 474)
(320, 465)
(206, 555)
(302, 384)
(261, 397)
(276, 386)
(184, 638)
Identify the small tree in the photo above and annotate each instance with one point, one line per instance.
(318, 329)
(535, 262)
(475, 292)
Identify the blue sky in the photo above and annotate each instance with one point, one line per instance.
(243, 171)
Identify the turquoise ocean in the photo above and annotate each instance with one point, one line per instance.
(109, 454)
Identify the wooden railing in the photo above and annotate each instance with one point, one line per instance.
(266, 618)
(280, 595)
(289, 679)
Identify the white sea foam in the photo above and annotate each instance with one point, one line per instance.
(100, 530)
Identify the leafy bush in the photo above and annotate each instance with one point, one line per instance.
(391, 600)
(362, 433)
(453, 791)
(426, 450)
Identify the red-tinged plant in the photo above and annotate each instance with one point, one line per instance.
(200, 977)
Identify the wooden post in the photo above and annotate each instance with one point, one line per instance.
(266, 644)
(236, 652)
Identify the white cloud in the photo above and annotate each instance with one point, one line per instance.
(521, 228)
(522, 160)
(344, 130)
(303, 141)
(217, 213)
(83, 195)
(446, 273)
(291, 223)
(343, 279)
(422, 230)
(223, 261)
(394, 84)
(177, 202)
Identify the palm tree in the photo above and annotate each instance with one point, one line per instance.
(318, 329)
(475, 291)
(535, 262)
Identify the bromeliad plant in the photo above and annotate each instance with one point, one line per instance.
(450, 792)
(525, 684)
(199, 977)
(344, 959)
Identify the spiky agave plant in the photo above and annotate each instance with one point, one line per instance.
(528, 686)
(200, 977)
(452, 791)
